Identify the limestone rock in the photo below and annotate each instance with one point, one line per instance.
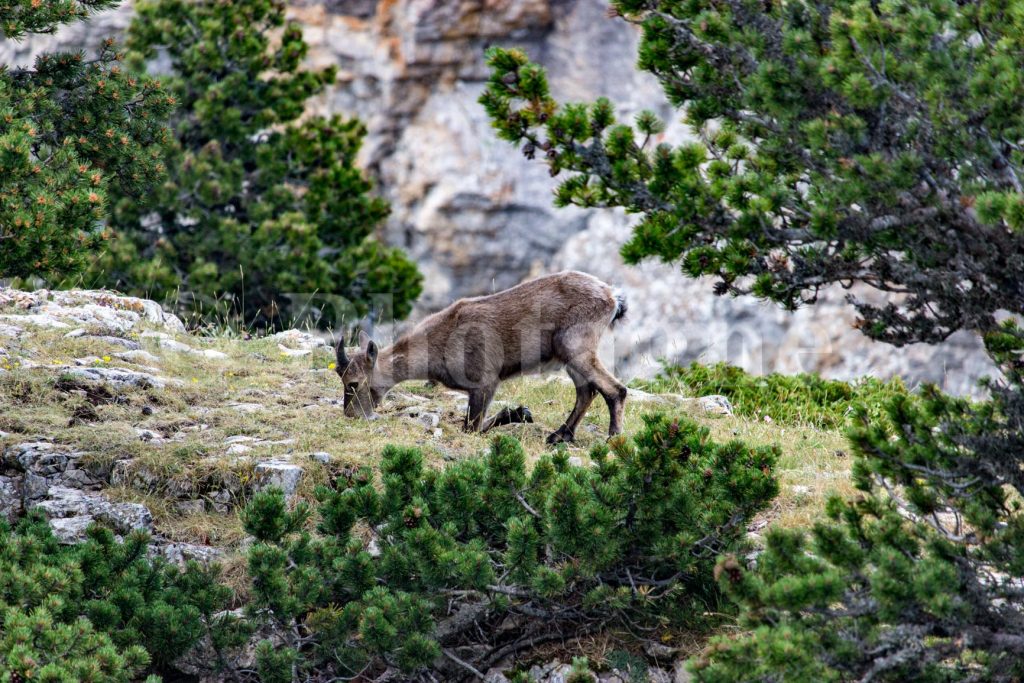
(116, 376)
(279, 473)
(180, 553)
(41, 465)
(716, 404)
(99, 311)
(70, 512)
(10, 498)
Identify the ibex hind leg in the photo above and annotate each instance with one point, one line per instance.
(612, 390)
(585, 393)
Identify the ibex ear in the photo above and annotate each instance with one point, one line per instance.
(368, 346)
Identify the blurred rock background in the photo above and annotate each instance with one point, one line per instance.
(478, 217)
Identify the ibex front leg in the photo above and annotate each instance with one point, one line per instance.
(479, 400)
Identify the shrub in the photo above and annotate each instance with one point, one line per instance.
(72, 131)
(916, 579)
(263, 214)
(790, 399)
(484, 558)
(100, 610)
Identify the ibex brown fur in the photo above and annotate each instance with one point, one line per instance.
(475, 344)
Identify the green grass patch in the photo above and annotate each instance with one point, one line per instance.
(802, 399)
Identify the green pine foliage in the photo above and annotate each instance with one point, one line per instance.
(841, 142)
(917, 579)
(101, 610)
(836, 142)
(519, 554)
(73, 131)
(263, 214)
(788, 399)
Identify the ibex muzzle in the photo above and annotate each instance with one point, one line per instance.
(476, 343)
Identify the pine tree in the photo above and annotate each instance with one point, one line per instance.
(842, 142)
(260, 205)
(71, 129)
(838, 142)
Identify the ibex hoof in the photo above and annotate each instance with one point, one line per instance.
(563, 435)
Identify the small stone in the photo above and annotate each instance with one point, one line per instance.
(280, 473)
(149, 435)
(438, 433)
(417, 415)
(293, 353)
(322, 457)
(213, 353)
(238, 449)
(715, 404)
(246, 407)
(137, 355)
(239, 438)
(147, 410)
(180, 553)
(799, 490)
(190, 507)
(75, 333)
(173, 345)
(576, 461)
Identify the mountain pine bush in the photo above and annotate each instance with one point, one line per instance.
(101, 610)
(73, 131)
(917, 579)
(486, 557)
(264, 213)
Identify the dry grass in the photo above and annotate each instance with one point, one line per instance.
(299, 413)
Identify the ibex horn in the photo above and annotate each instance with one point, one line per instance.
(340, 353)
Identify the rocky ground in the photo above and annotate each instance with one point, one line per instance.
(112, 413)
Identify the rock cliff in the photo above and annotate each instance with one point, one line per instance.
(478, 217)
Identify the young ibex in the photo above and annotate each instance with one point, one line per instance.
(475, 344)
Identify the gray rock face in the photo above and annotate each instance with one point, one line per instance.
(10, 498)
(478, 217)
(32, 469)
(181, 553)
(99, 311)
(71, 511)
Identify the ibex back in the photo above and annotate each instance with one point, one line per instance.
(475, 344)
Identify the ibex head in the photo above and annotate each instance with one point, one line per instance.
(356, 372)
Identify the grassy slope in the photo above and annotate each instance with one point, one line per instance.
(297, 395)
